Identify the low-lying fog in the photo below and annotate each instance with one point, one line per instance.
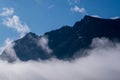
(102, 64)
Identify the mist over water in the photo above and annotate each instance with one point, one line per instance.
(102, 63)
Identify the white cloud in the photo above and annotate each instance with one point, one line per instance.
(1, 49)
(9, 50)
(96, 16)
(103, 42)
(75, 8)
(78, 9)
(7, 12)
(7, 42)
(115, 17)
(43, 42)
(15, 23)
(101, 64)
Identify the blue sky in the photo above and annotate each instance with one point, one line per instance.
(40, 16)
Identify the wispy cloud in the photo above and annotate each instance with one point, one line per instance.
(73, 2)
(75, 8)
(43, 42)
(117, 17)
(7, 42)
(9, 52)
(13, 21)
(97, 16)
(78, 9)
(7, 12)
(2, 49)
(51, 6)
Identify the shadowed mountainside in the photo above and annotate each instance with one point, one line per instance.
(66, 41)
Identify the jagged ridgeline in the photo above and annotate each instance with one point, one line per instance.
(63, 43)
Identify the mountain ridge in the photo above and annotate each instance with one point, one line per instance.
(66, 41)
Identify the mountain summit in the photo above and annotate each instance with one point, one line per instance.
(63, 43)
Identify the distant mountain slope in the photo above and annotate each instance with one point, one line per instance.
(66, 41)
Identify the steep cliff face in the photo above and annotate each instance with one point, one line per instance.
(66, 41)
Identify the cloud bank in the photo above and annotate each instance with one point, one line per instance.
(101, 64)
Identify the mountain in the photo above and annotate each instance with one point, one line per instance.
(64, 43)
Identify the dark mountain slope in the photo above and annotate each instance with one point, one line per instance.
(66, 41)
(96, 27)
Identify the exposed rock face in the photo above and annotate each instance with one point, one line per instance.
(66, 41)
